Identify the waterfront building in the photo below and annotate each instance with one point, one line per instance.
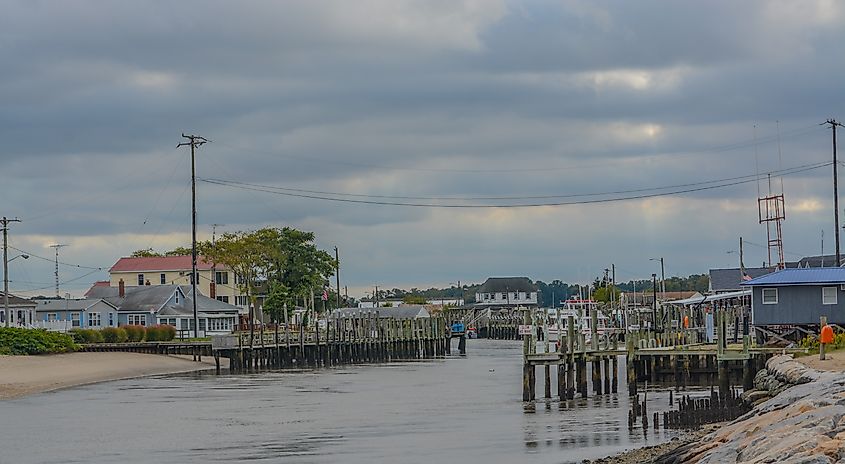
(798, 296)
(65, 314)
(216, 281)
(728, 280)
(21, 312)
(169, 304)
(506, 293)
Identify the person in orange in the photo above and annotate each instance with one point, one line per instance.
(825, 338)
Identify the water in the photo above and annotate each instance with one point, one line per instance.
(466, 409)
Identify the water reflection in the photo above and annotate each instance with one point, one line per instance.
(464, 408)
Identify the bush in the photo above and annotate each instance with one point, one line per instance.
(161, 333)
(17, 341)
(114, 335)
(86, 336)
(134, 333)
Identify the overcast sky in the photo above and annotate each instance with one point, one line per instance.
(461, 99)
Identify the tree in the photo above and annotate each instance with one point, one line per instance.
(178, 251)
(145, 253)
(301, 267)
(251, 256)
(414, 299)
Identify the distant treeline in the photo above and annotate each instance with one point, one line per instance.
(552, 293)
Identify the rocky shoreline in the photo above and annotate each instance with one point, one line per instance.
(798, 416)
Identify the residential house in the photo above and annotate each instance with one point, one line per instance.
(819, 261)
(798, 296)
(169, 304)
(63, 315)
(216, 281)
(506, 292)
(21, 311)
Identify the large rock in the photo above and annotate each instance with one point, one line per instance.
(805, 423)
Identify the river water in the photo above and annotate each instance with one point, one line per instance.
(462, 409)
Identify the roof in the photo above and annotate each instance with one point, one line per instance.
(72, 305)
(727, 280)
(641, 297)
(818, 261)
(507, 284)
(16, 301)
(99, 283)
(159, 263)
(699, 299)
(397, 312)
(801, 276)
(152, 298)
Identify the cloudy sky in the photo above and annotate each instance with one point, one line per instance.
(452, 102)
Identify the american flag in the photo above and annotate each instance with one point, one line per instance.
(325, 295)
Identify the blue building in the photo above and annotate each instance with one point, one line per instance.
(798, 296)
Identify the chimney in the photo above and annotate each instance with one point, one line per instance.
(121, 289)
(212, 290)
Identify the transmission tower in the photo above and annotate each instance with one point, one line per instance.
(57, 246)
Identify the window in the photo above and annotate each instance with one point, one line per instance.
(770, 296)
(176, 296)
(168, 321)
(515, 296)
(183, 324)
(140, 279)
(223, 298)
(111, 319)
(74, 319)
(241, 280)
(202, 324)
(93, 319)
(137, 319)
(486, 296)
(219, 324)
(241, 300)
(51, 317)
(829, 295)
(162, 278)
(221, 277)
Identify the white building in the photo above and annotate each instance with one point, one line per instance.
(507, 292)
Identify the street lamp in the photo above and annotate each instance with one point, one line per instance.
(662, 278)
(6, 262)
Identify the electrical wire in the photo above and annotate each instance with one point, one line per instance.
(51, 260)
(273, 190)
(524, 197)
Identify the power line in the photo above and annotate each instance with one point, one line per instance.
(522, 197)
(80, 266)
(273, 190)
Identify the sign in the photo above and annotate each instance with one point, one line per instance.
(526, 329)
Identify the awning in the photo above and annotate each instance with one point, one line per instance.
(709, 298)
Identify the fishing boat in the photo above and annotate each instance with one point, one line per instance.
(580, 309)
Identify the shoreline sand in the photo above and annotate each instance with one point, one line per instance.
(27, 375)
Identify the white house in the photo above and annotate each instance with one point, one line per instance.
(506, 292)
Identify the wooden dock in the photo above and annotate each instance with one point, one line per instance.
(676, 357)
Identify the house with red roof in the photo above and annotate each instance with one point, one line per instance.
(215, 281)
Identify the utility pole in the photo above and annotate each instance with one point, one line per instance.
(654, 302)
(375, 296)
(195, 141)
(5, 223)
(337, 274)
(57, 246)
(833, 123)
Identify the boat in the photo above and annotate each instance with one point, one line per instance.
(580, 309)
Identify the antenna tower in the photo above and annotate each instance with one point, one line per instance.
(57, 246)
(771, 213)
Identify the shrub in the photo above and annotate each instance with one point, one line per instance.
(114, 335)
(161, 333)
(86, 336)
(17, 341)
(134, 333)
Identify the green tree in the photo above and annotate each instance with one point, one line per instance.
(145, 253)
(252, 256)
(301, 267)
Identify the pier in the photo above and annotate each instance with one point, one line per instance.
(674, 356)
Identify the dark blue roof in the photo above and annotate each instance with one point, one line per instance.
(811, 276)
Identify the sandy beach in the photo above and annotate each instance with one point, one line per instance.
(26, 375)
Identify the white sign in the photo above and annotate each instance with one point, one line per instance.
(526, 329)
